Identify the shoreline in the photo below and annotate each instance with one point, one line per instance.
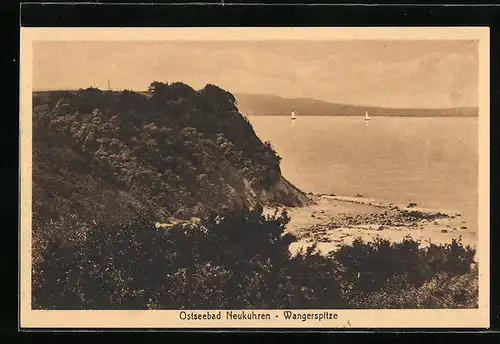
(362, 116)
(332, 221)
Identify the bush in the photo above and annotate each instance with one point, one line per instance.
(442, 291)
(380, 265)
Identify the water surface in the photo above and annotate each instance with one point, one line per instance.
(429, 161)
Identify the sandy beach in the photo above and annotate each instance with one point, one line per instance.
(332, 221)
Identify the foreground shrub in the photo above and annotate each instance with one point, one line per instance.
(239, 260)
(231, 260)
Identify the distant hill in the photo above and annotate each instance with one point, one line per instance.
(261, 104)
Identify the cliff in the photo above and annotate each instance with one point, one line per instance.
(172, 153)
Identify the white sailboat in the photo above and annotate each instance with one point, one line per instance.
(367, 117)
(293, 115)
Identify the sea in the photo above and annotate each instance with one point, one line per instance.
(430, 161)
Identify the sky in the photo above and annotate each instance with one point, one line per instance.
(401, 74)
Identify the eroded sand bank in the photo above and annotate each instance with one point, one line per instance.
(335, 220)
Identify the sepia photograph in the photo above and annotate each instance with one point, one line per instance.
(255, 177)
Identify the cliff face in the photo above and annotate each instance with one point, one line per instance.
(177, 152)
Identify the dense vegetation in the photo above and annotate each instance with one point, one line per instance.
(172, 153)
(178, 149)
(240, 260)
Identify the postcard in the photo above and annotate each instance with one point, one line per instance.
(254, 177)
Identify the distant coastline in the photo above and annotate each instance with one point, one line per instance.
(268, 105)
